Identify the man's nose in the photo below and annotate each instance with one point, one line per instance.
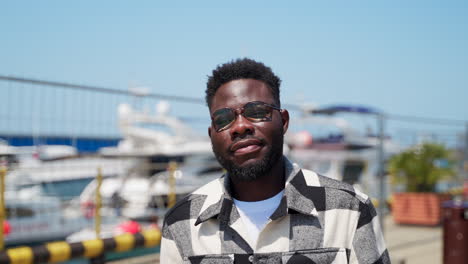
(241, 126)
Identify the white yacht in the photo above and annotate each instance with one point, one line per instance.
(34, 218)
(59, 170)
(143, 190)
(159, 134)
(338, 151)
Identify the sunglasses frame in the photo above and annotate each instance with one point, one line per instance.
(240, 111)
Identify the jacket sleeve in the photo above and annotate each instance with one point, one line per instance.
(368, 241)
(169, 252)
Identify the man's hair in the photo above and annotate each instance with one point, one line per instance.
(242, 69)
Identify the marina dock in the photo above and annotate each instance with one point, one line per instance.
(92, 153)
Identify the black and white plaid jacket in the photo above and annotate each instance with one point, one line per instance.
(319, 220)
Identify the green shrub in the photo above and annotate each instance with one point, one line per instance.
(421, 167)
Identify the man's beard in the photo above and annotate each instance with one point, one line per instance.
(256, 170)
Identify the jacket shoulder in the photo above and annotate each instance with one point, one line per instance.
(189, 206)
(337, 189)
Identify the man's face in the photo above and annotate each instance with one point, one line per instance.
(247, 149)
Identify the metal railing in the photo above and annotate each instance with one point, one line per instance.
(95, 250)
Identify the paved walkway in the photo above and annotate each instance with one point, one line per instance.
(413, 244)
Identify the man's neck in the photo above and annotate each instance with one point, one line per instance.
(264, 187)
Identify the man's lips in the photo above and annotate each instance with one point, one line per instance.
(246, 146)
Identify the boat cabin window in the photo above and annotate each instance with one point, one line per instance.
(19, 212)
(159, 163)
(9, 159)
(352, 171)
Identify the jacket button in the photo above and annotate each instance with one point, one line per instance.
(251, 259)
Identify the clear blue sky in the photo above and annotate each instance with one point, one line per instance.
(403, 57)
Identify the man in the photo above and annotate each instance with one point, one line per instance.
(265, 209)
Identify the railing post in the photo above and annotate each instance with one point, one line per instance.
(381, 171)
(3, 172)
(171, 196)
(97, 209)
(101, 259)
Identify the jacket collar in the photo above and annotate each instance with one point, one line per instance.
(293, 200)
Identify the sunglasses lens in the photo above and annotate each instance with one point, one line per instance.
(222, 118)
(253, 111)
(257, 111)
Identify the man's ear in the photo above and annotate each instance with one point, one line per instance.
(285, 117)
(209, 131)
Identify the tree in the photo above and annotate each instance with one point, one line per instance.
(421, 167)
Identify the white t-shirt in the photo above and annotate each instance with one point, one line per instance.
(256, 214)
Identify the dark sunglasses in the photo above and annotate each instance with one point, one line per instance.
(253, 111)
